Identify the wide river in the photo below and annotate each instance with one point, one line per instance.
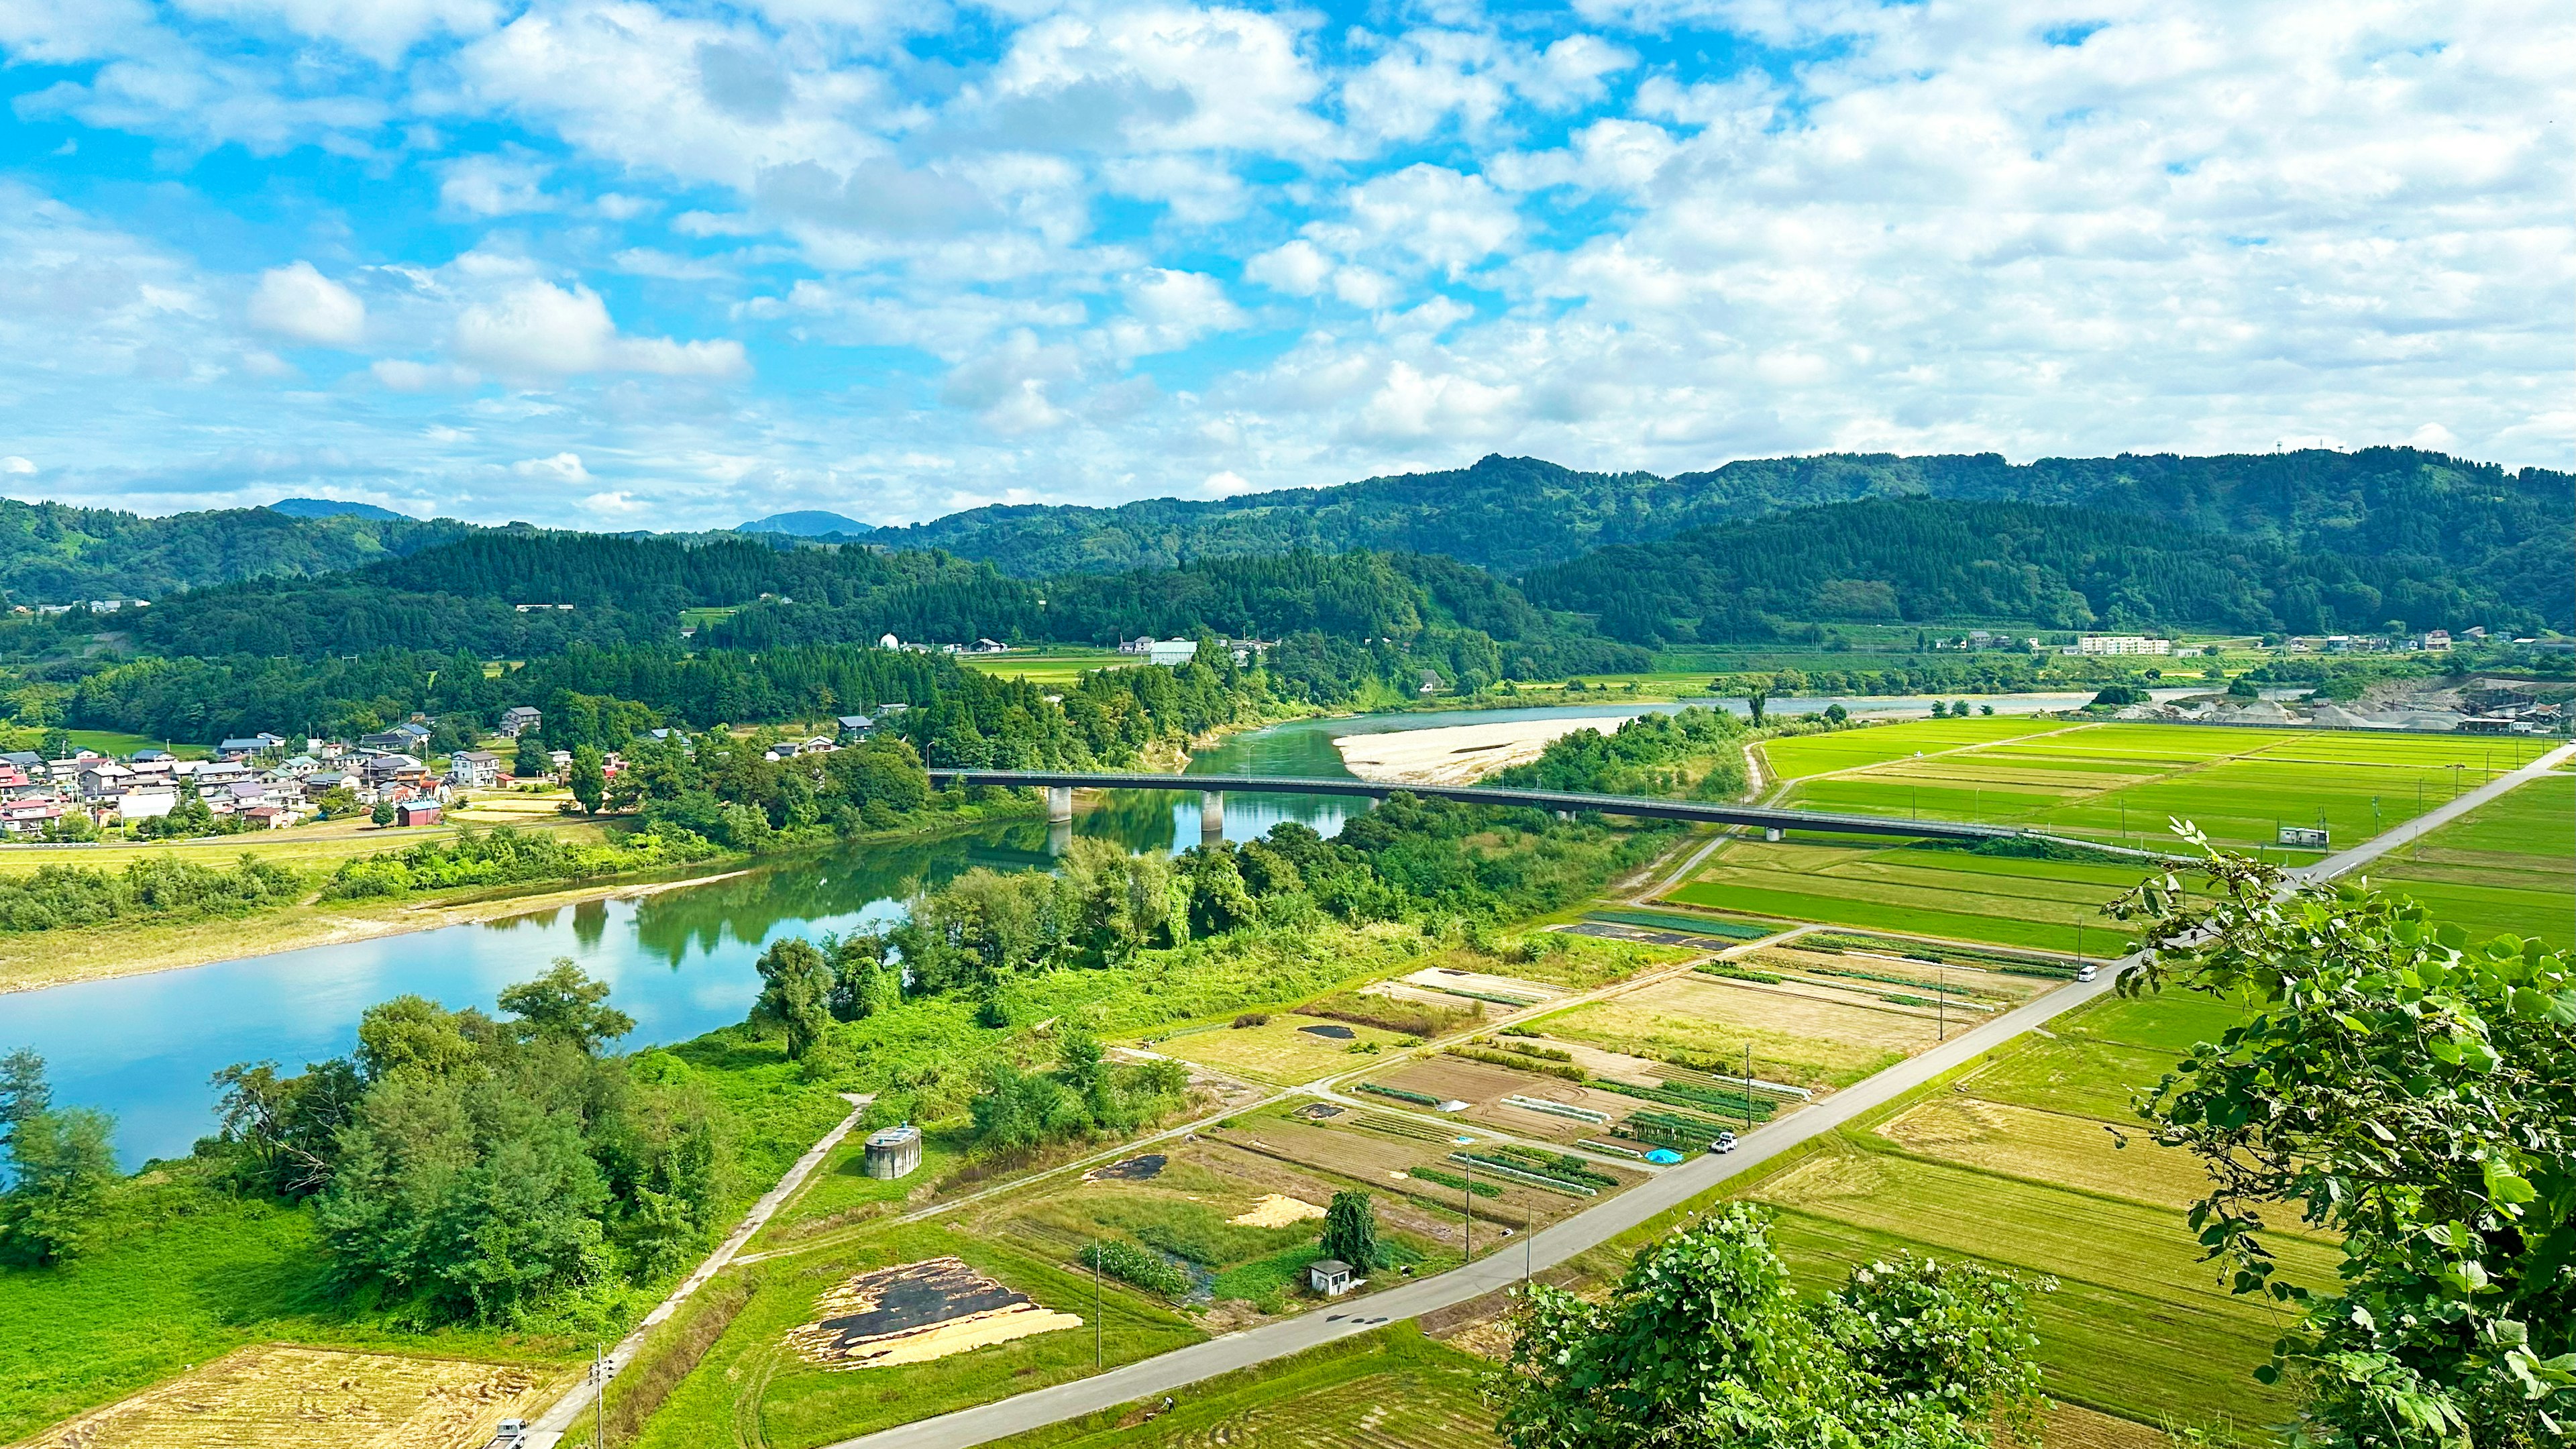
(680, 961)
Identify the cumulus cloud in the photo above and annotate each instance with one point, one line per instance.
(497, 185)
(16, 466)
(563, 467)
(296, 301)
(535, 329)
(382, 30)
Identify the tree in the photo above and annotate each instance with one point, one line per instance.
(588, 779)
(24, 1091)
(566, 1005)
(2407, 1094)
(1704, 1343)
(1756, 701)
(795, 993)
(383, 814)
(288, 1125)
(1350, 1231)
(414, 1033)
(61, 1165)
(533, 761)
(863, 984)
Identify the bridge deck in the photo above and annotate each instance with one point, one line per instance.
(1701, 811)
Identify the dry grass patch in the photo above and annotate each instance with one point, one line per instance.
(2051, 1147)
(276, 1397)
(1284, 1051)
(1804, 1043)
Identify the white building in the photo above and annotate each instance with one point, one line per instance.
(2103, 644)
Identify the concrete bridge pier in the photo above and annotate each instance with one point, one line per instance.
(1771, 832)
(1059, 837)
(1211, 816)
(1059, 804)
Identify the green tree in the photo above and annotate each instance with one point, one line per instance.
(24, 1090)
(588, 779)
(1350, 1231)
(2404, 1093)
(61, 1165)
(533, 761)
(1705, 1343)
(415, 1033)
(795, 993)
(566, 1005)
(383, 814)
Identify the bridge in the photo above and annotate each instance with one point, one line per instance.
(1060, 785)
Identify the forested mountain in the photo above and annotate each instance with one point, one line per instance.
(333, 508)
(55, 553)
(1513, 514)
(1924, 559)
(807, 523)
(468, 595)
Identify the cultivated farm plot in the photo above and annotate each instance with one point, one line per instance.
(1285, 1051)
(1885, 971)
(1809, 755)
(2509, 865)
(1345, 1151)
(1803, 1042)
(2108, 780)
(2050, 1147)
(1918, 890)
(278, 1397)
(1484, 1087)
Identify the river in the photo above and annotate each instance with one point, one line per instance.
(678, 961)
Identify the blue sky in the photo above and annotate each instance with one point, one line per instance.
(619, 264)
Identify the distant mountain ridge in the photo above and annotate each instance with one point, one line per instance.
(1515, 514)
(806, 523)
(334, 508)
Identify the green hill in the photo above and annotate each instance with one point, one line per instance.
(1515, 514)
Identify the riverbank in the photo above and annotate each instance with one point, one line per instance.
(33, 960)
(1459, 754)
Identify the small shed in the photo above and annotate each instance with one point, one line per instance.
(894, 1152)
(416, 812)
(1329, 1276)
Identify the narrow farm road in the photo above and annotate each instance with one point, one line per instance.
(1167, 1373)
(551, 1426)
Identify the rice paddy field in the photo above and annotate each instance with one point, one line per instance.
(2125, 781)
(1917, 889)
(1391, 1389)
(2509, 865)
(1056, 664)
(308, 1398)
(2014, 1163)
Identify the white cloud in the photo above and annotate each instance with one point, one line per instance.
(379, 29)
(1168, 309)
(562, 467)
(503, 185)
(535, 329)
(403, 375)
(296, 301)
(1298, 268)
(16, 466)
(1439, 216)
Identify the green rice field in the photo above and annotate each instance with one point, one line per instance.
(1391, 1389)
(2011, 1165)
(2509, 865)
(2049, 905)
(2127, 781)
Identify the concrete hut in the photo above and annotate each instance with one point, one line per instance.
(894, 1151)
(1329, 1276)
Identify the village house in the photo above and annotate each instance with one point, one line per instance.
(518, 719)
(474, 770)
(407, 738)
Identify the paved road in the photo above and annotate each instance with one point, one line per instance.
(1170, 1372)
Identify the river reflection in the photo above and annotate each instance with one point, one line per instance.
(679, 960)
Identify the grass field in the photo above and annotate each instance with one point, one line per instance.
(1807, 1044)
(1805, 756)
(2509, 865)
(1282, 1051)
(1917, 889)
(2125, 781)
(1390, 1389)
(1053, 664)
(752, 1389)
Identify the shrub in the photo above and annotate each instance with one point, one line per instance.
(1143, 1267)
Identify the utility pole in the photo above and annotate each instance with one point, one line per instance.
(1467, 1205)
(1527, 1252)
(1748, 1084)
(599, 1398)
(1940, 1007)
(1099, 1333)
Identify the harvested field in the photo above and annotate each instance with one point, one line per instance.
(1484, 1087)
(1277, 1210)
(2049, 1147)
(1385, 1165)
(277, 1397)
(1284, 1051)
(2073, 1426)
(1804, 1043)
(1451, 979)
(915, 1313)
